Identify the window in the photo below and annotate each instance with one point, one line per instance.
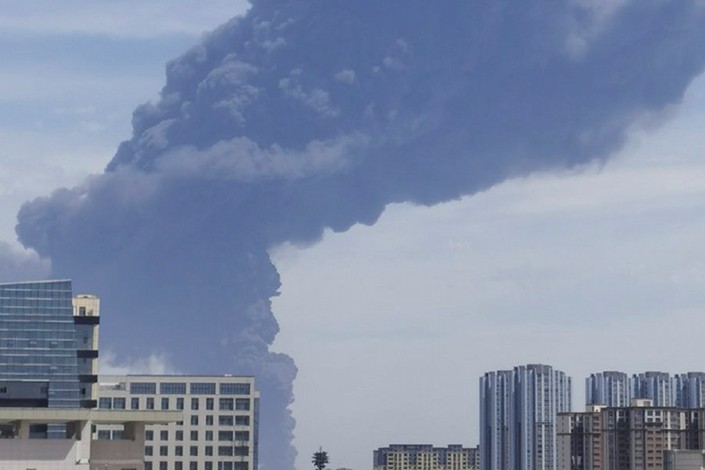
(148, 450)
(105, 403)
(194, 420)
(179, 403)
(178, 451)
(225, 450)
(143, 388)
(164, 435)
(234, 389)
(242, 420)
(209, 435)
(135, 403)
(150, 403)
(194, 435)
(209, 451)
(193, 451)
(163, 450)
(179, 435)
(225, 404)
(225, 420)
(165, 403)
(103, 435)
(242, 450)
(178, 466)
(242, 435)
(149, 435)
(194, 403)
(209, 420)
(209, 403)
(177, 388)
(163, 466)
(148, 466)
(209, 466)
(242, 403)
(193, 466)
(119, 403)
(225, 435)
(200, 388)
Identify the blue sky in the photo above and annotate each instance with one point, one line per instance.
(390, 324)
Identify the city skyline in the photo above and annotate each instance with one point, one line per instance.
(531, 270)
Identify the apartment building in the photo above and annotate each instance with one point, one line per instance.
(579, 439)
(616, 389)
(426, 457)
(220, 426)
(518, 411)
(610, 388)
(633, 437)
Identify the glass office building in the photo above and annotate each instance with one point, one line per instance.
(48, 346)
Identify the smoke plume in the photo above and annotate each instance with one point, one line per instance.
(308, 114)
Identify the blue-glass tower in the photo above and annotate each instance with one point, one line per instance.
(43, 347)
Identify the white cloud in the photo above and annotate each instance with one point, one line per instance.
(346, 76)
(17, 264)
(158, 363)
(125, 18)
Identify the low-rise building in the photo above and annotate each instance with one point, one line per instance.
(426, 457)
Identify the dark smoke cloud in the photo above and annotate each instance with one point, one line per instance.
(304, 115)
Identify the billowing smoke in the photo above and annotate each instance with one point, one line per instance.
(307, 114)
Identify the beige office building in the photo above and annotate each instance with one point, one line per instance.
(220, 426)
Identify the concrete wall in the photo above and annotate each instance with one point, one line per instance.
(40, 454)
(117, 455)
(62, 454)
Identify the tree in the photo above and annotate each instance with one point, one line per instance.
(320, 459)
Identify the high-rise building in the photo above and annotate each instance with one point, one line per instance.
(426, 457)
(615, 389)
(609, 388)
(689, 390)
(518, 411)
(579, 439)
(655, 386)
(220, 426)
(496, 400)
(48, 347)
(626, 438)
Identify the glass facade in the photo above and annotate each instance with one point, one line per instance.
(38, 341)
